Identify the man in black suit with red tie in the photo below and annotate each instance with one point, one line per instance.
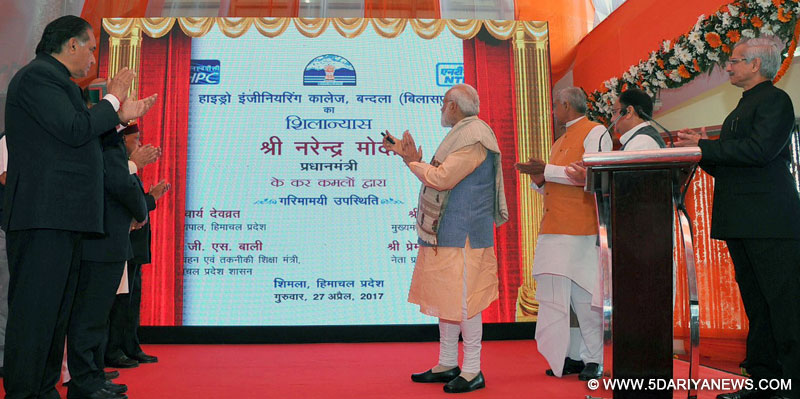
(757, 212)
(54, 196)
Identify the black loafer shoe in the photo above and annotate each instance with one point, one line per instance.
(102, 394)
(142, 357)
(592, 371)
(570, 367)
(745, 394)
(460, 384)
(110, 375)
(115, 388)
(430, 376)
(122, 362)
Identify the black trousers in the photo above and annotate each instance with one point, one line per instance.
(768, 274)
(43, 269)
(88, 326)
(123, 338)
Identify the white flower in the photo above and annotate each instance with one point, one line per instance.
(665, 45)
(694, 36)
(611, 84)
(713, 56)
(660, 75)
(767, 30)
(626, 77)
(700, 48)
(683, 54)
(634, 69)
(749, 33)
(673, 61)
(733, 10)
(675, 76)
(699, 23)
(764, 3)
(726, 20)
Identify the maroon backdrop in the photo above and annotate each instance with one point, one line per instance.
(489, 67)
(164, 70)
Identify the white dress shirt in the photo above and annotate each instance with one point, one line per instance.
(640, 142)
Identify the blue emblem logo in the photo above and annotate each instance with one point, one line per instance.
(449, 73)
(329, 70)
(205, 72)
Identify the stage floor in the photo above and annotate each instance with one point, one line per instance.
(513, 369)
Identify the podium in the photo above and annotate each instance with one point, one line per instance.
(637, 193)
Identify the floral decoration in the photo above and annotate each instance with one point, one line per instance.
(707, 44)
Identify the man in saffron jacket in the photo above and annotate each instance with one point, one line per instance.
(566, 263)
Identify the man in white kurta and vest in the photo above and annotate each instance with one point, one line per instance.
(460, 203)
(566, 264)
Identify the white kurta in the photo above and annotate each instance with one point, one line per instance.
(640, 142)
(572, 257)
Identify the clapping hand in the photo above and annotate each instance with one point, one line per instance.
(411, 153)
(121, 84)
(132, 109)
(159, 189)
(405, 148)
(689, 137)
(532, 167)
(138, 225)
(576, 173)
(145, 155)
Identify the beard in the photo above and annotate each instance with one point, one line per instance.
(446, 122)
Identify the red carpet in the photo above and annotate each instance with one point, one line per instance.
(513, 369)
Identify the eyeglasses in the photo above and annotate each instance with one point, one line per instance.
(732, 61)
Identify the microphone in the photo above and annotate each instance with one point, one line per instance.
(650, 119)
(622, 113)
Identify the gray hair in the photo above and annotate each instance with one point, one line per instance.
(466, 99)
(768, 50)
(573, 96)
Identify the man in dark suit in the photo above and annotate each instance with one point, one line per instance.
(756, 211)
(54, 196)
(103, 260)
(123, 349)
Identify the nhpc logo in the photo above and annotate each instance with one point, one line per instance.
(205, 72)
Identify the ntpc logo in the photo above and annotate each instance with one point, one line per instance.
(205, 72)
(449, 74)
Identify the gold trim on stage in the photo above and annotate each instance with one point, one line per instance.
(123, 52)
(313, 27)
(535, 137)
